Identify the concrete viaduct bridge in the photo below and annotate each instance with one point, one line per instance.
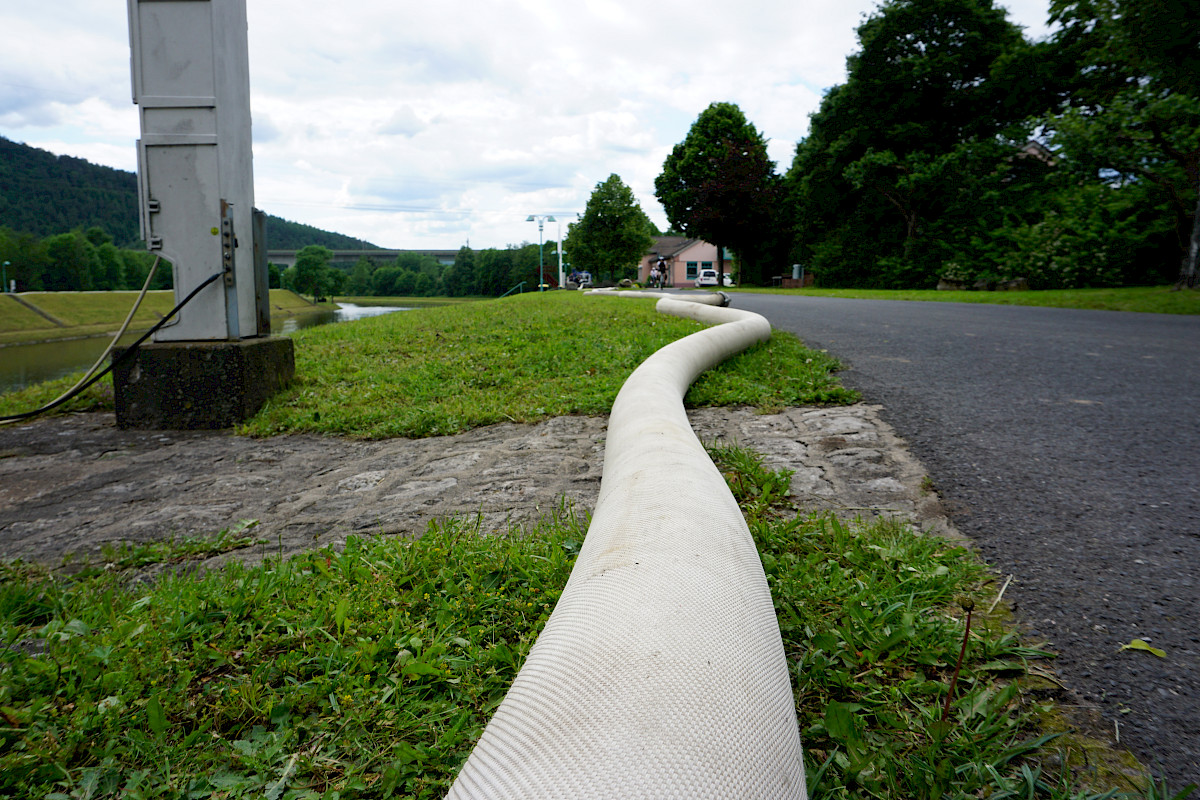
(287, 258)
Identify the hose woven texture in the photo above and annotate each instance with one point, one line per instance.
(661, 672)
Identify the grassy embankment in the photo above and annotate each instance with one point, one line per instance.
(370, 672)
(71, 315)
(447, 369)
(1146, 299)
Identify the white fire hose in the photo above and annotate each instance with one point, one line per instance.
(661, 672)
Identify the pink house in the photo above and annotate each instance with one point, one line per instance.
(683, 257)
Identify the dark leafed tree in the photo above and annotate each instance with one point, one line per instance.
(878, 184)
(613, 234)
(459, 279)
(719, 185)
(492, 268)
(1164, 40)
(1135, 105)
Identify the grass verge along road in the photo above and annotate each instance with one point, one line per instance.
(1146, 299)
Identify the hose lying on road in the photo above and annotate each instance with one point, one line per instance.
(661, 672)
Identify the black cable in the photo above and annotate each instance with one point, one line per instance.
(129, 351)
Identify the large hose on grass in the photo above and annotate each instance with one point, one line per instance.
(661, 672)
(705, 298)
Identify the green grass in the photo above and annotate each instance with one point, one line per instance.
(97, 397)
(371, 672)
(102, 308)
(1146, 299)
(285, 301)
(132, 555)
(444, 370)
(364, 673)
(15, 317)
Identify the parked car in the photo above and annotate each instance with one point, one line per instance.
(708, 277)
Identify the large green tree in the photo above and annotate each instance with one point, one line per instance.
(72, 263)
(459, 279)
(26, 257)
(1133, 114)
(312, 263)
(613, 234)
(887, 187)
(359, 282)
(719, 185)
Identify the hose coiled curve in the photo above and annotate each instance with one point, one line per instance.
(661, 672)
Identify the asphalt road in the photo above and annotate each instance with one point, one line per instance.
(1066, 445)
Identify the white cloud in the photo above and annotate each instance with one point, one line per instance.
(403, 122)
(423, 125)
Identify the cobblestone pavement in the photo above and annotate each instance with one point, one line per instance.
(71, 484)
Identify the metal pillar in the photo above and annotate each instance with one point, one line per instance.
(191, 82)
(215, 365)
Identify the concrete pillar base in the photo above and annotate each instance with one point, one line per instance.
(200, 385)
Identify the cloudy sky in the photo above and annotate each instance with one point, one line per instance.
(434, 124)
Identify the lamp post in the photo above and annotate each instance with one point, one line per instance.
(4, 282)
(562, 276)
(542, 219)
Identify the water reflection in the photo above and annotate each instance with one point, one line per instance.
(346, 312)
(25, 364)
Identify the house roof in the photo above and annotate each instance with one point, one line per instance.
(667, 246)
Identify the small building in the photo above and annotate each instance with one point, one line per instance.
(684, 258)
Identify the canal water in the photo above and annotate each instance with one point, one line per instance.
(25, 364)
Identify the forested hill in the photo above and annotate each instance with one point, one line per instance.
(44, 194)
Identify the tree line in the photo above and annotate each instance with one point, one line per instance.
(474, 273)
(77, 261)
(959, 152)
(88, 260)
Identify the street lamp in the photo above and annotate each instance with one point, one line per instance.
(542, 219)
(562, 276)
(4, 282)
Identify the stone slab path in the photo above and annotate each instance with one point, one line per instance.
(72, 484)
